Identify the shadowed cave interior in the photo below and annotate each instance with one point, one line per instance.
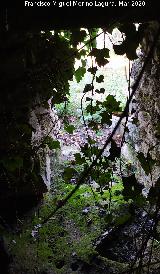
(79, 142)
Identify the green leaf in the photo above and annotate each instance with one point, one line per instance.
(93, 124)
(100, 55)
(79, 74)
(93, 33)
(95, 150)
(52, 144)
(69, 172)
(101, 90)
(86, 150)
(100, 79)
(77, 36)
(123, 219)
(83, 62)
(95, 174)
(91, 141)
(109, 218)
(92, 109)
(105, 162)
(92, 70)
(131, 42)
(87, 88)
(79, 159)
(106, 118)
(105, 178)
(111, 104)
(79, 55)
(132, 189)
(115, 151)
(88, 99)
(69, 128)
(120, 49)
(147, 163)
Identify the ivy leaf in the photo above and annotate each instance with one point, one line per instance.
(132, 189)
(79, 54)
(79, 74)
(52, 144)
(105, 178)
(101, 90)
(87, 88)
(93, 33)
(123, 219)
(130, 43)
(111, 104)
(105, 162)
(95, 174)
(83, 62)
(86, 150)
(69, 128)
(146, 162)
(92, 109)
(115, 151)
(95, 150)
(69, 173)
(93, 125)
(91, 141)
(77, 36)
(100, 79)
(100, 56)
(106, 118)
(92, 70)
(79, 159)
(120, 49)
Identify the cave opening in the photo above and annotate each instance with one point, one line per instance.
(73, 142)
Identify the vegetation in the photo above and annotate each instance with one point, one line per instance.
(73, 218)
(73, 229)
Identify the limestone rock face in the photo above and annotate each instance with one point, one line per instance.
(29, 77)
(44, 121)
(148, 113)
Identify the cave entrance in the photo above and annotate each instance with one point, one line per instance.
(79, 119)
(94, 216)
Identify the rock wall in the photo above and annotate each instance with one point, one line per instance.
(29, 78)
(148, 108)
(44, 122)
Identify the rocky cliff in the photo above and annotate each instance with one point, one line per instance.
(148, 108)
